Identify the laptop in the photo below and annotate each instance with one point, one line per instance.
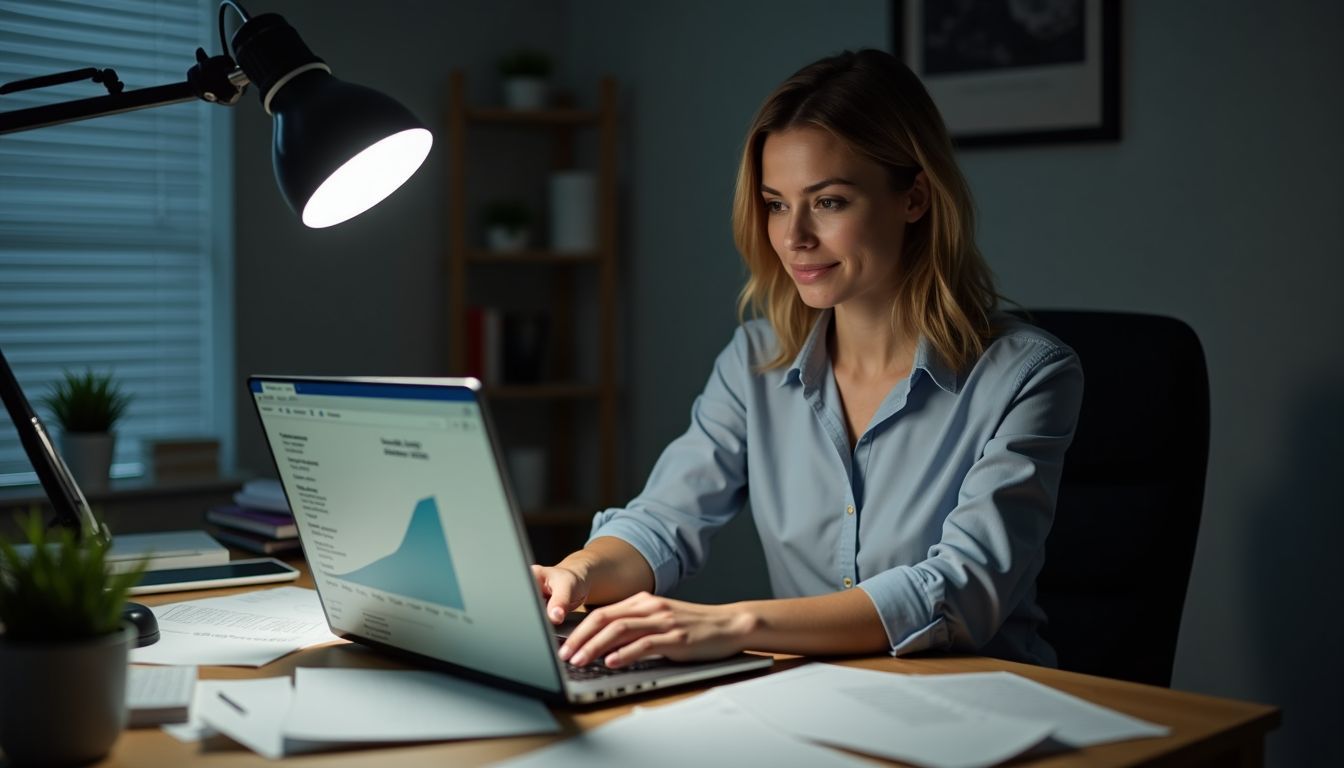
(414, 538)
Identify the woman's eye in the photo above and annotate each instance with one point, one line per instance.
(774, 206)
(830, 203)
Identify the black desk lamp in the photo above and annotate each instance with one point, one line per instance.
(338, 150)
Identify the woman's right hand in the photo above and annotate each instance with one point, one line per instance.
(563, 587)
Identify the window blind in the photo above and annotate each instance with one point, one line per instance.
(106, 224)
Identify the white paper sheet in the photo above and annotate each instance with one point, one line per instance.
(373, 705)
(705, 730)
(1078, 723)
(251, 712)
(248, 630)
(882, 714)
(195, 729)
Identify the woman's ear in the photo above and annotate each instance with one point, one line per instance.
(917, 199)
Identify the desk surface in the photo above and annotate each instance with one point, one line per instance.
(1204, 730)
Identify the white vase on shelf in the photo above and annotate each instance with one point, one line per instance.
(573, 203)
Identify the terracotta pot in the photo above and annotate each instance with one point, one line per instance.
(63, 703)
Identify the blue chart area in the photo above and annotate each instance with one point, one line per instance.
(421, 568)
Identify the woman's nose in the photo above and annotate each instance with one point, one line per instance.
(799, 236)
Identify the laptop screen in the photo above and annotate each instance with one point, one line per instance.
(405, 520)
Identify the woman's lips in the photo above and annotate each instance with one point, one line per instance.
(811, 273)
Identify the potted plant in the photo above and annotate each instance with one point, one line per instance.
(525, 74)
(87, 407)
(64, 648)
(506, 225)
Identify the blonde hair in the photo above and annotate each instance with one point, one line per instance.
(877, 106)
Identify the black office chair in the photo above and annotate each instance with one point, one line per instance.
(1117, 561)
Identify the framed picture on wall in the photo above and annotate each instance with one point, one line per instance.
(1016, 71)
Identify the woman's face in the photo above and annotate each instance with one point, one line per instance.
(834, 219)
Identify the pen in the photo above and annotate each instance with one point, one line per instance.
(232, 703)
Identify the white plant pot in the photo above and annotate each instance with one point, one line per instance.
(63, 703)
(526, 92)
(505, 240)
(89, 457)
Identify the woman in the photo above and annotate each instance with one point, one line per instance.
(900, 440)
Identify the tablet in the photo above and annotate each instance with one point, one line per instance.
(236, 573)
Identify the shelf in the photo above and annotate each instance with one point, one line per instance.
(547, 391)
(532, 257)
(532, 116)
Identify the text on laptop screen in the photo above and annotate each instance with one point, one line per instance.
(405, 521)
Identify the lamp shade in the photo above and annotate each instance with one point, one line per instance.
(339, 148)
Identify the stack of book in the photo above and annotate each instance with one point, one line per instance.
(259, 520)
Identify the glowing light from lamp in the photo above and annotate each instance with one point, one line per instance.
(368, 177)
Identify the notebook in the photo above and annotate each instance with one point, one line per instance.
(415, 540)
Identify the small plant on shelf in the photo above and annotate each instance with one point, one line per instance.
(507, 225)
(525, 63)
(525, 74)
(86, 402)
(88, 406)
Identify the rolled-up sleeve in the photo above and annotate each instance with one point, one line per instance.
(992, 543)
(698, 484)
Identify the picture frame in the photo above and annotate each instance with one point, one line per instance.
(1006, 73)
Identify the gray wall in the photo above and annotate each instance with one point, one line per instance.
(366, 296)
(1221, 206)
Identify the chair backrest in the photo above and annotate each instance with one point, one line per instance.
(1117, 561)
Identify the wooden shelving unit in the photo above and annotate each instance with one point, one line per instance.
(562, 395)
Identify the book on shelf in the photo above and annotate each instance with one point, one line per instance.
(277, 525)
(485, 345)
(255, 542)
(182, 459)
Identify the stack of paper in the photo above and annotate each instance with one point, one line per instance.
(328, 708)
(245, 630)
(157, 695)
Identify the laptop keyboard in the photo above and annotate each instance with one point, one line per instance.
(598, 670)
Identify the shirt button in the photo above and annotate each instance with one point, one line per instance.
(848, 582)
(849, 510)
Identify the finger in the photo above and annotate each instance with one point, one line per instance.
(619, 633)
(641, 604)
(560, 586)
(645, 647)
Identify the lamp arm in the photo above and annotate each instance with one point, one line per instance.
(67, 500)
(216, 79)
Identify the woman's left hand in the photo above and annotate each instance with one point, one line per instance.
(645, 625)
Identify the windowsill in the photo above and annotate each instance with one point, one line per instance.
(129, 489)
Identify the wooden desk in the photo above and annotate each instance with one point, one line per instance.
(1205, 730)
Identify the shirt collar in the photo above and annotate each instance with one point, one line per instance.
(812, 361)
(928, 361)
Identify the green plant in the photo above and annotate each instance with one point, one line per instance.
(60, 590)
(508, 214)
(86, 402)
(525, 63)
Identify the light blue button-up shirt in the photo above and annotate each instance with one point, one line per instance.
(939, 513)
